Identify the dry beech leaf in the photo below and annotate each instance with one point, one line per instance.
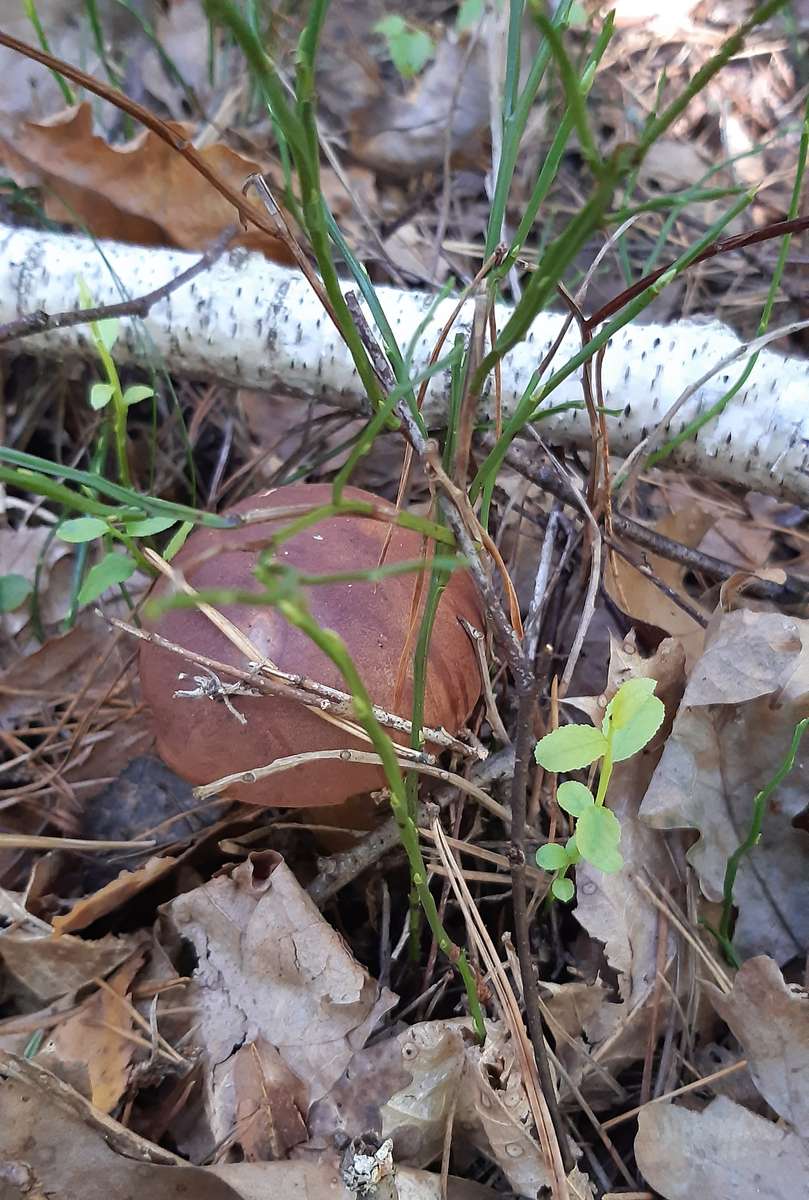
(612, 908)
(113, 895)
(142, 192)
(734, 726)
(716, 1154)
(49, 966)
(770, 1019)
(269, 968)
(90, 1050)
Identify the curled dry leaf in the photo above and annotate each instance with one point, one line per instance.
(128, 884)
(716, 1153)
(143, 191)
(771, 1021)
(732, 731)
(269, 969)
(435, 1074)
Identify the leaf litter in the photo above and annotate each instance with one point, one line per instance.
(205, 1001)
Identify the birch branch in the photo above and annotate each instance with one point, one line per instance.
(250, 323)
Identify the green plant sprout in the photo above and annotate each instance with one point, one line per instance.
(110, 393)
(633, 717)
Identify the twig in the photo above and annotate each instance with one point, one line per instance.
(337, 871)
(40, 321)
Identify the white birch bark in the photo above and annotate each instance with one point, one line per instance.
(249, 322)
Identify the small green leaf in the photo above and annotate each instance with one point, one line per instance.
(469, 13)
(574, 797)
(563, 889)
(569, 748)
(107, 331)
(82, 529)
(100, 395)
(410, 49)
(552, 857)
(14, 590)
(137, 392)
(597, 836)
(641, 719)
(113, 568)
(627, 701)
(149, 525)
(572, 849)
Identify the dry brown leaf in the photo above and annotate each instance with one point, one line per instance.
(771, 1021)
(49, 966)
(638, 596)
(113, 895)
(271, 968)
(732, 731)
(724, 1152)
(263, 1104)
(307, 1181)
(90, 1050)
(142, 192)
(54, 1144)
(407, 134)
(447, 1078)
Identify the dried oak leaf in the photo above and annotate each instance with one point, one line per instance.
(724, 1152)
(143, 191)
(770, 1019)
(732, 731)
(269, 968)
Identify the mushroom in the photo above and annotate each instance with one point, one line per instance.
(204, 739)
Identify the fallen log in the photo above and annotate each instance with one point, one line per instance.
(248, 322)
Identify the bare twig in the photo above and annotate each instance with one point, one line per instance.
(40, 321)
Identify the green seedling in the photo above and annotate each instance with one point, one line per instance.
(633, 717)
(410, 49)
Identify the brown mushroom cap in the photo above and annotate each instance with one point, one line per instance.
(202, 741)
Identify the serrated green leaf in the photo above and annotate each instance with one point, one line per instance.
(644, 725)
(100, 395)
(113, 568)
(597, 836)
(410, 49)
(149, 526)
(82, 529)
(14, 590)
(137, 392)
(469, 13)
(569, 748)
(627, 701)
(552, 857)
(574, 797)
(563, 889)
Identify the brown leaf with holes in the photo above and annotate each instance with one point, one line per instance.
(143, 191)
